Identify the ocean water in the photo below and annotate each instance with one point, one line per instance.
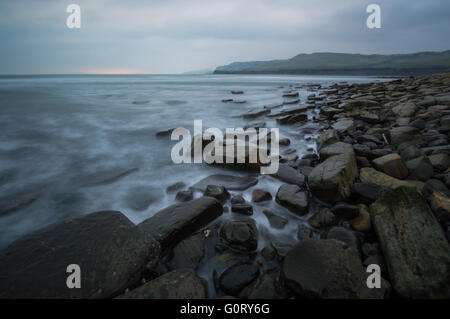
(83, 143)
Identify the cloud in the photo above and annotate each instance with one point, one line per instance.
(173, 36)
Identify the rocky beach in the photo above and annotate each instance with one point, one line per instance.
(372, 186)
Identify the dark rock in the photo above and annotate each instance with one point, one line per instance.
(345, 211)
(265, 287)
(327, 269)
(327, 138)
(440, 204)
(175, 187)
(322, 219)
(303, 233)
(284, 141)
(405, 134)
(289, 175)
(335, 149)
(282, 247)
(392, 165)
(177, 284)
(293, 198)
(418, 124)
(188, 253)
(178, 221)
(416, 250)
(269, 253)
(244, 209)
(111, 260)
(238, 199)
(369, 191)
(275, 221)
(259, 195)
(411, 152)
(218, 192)
(420, 168)
(345, 235)
(440, 162)
(435, 185)
(230, 182)
(241, 235)
(237, 277)
(185, 196)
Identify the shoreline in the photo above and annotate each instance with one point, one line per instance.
(382, 169)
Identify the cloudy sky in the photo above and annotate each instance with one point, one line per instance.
(173, 36)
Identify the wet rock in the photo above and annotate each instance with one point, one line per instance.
(369, 191)
(237, 277)
(362, 222)
(175, 187)
(218, 192)
(230, 182)
(238, 199)
(178, 221)
(435, 185)
(440, 204)
(345, 235)
(304, 232)
(331, 180)
(411, 152)
(244, 209)
(293, 198)
(289, 175)
(345, 211)
(327, 269)
(241, 235)
(323, 218)
(164, 133)
(440, 162)
(418, 124)
(259, 195)
(374, 177)
(392, 165)
(335, 149)
(269, 253)
(187, 253)
(140, 197)
(255, 113)
(185, 196)
(344, 126)
(420, 168)
(237, 92)
(404, 134)
(265, 287)
(416, 251)
(284, 141)
(255, 125)
(111, 260)
(177, 284)
(275, 220)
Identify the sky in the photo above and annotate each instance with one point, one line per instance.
(175, 36)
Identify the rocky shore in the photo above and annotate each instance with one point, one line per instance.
(375, 190)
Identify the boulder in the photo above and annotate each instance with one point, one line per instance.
(335, 149)
(415, 248)
(440, 204)
(289, 175)
(244, 209)
(374, 177)
(230, 182)
(237, 277)
(187, 253)
(405, 109)
(185, 196)
(178, 221)
(392, 165)
(345, 211)
(440, 162)
(404, 134)
(420, 168)
(264, 287)
(112, 253)
(323, 218)
(326, 138)
(345, 235)
(344, 126)
(178, 284)
(328, 269)
(275, 220)
(241, 235)
(369, 191)
(293, 198)
(331, 180)
(260, 195)
(218, 192)
(411, 152)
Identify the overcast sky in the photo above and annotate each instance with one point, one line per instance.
(173, 36)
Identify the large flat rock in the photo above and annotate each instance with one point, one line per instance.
(178, 221)
(230, 182)
(110, 250)
(416, 251)
(328, 269)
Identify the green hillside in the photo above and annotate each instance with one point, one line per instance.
(343, 63)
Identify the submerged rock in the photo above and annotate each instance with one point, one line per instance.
(416, 250)
(112, 252)
(241, 235)
(275, 220)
